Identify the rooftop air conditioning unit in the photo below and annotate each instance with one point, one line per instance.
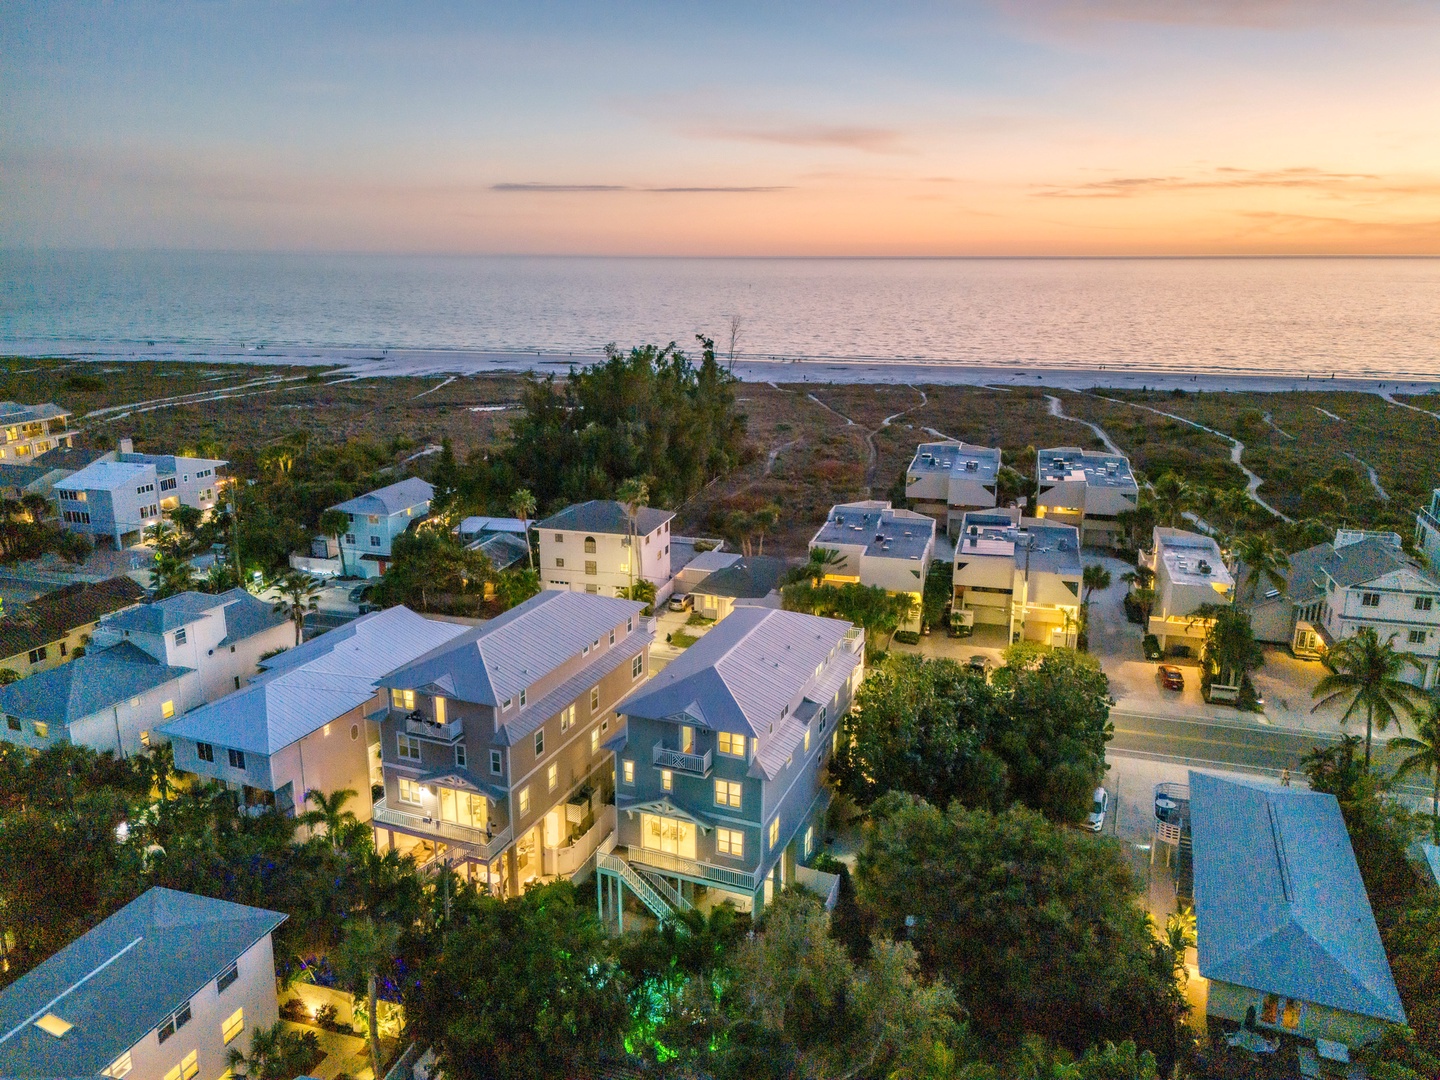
(1204, 567)
(972, 466)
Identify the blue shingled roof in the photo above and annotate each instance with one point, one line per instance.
(86, 685)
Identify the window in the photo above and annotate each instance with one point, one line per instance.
(373, 519)
(374, 541)
(559, 564)
(350, 539)
(497, 764)
(1417, 637)
(540, 742)
(505, 705)
(807, 740)
(462, 808)
(233, 1025)
(590, 568)
(121, 1066)
(589, 545)
(174, 1022)
(64, 650)
(402, 699)
(205, 752)
(809, 841)
(559, 538)
(567, 717)
(438, 705)
(524, 800)
(667, 780)
(727, 793)
(627, 771)
(552, 776)
(774, 833)
(637, 666)
(612, 637)
(168, 484)
(237, 759)
(605, 725)
(188, 1067)
(180, 636)
(730, 842)
(42, 729)
(407, 748)
(1370, 599)
(674, 836)
(460, 755)
(227, 978)
(167, 710)
(594, 738)
(13, 723)
(522, 699)
(594, 699)
(630, 624)
(1424, 603)
(823, 715)
(409, 791)
(1269, 1009)
(734, 745)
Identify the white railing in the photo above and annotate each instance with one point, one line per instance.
(663, 887)
(481, 844)
(638, 885)
(567, 861)
(826, 886)
(721, 875)
(665, 758)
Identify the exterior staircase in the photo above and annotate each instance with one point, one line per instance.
(648, 895)
(661, 886)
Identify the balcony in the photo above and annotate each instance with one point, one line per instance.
(695, 764)
(1428, 520)
(479, 843)
(566, 861)
(746, 881)
(421, 726)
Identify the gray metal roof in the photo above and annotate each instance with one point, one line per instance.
(743, 674)
(118, 981)
(86, 685)
(491, 663)
(605, 516)
(13, 412)
(392, 499)
(535, 713)
(284, 705)
(480, 526)
(1279, 902)
(885, 533)
(504, 550)
(1062, 463)
(752, 578)
(173, 612)
(981, 463)
(1371, 558)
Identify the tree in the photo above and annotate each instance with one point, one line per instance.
(644, 592)
(366, 952)
(1173, 497)
(299, 594)
(171, 574)
(431, 562)
(633, 493)
(1424, 757)
(822, 560)
(1025, 919)
(1367, 672)
(8, 676)
(1230, 651)
(335, 524)
(1095, 576)
(522, 505)
(869, 607)
(514, 587)
(274, 1054)
(330, 811)
(1265, 562)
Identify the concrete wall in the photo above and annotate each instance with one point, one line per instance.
(1231, 1002)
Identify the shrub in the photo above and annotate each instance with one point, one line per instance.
(907, 637)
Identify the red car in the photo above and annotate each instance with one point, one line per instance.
(1172, 678)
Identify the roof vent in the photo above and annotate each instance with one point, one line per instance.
(1204, 567)
(972, 466)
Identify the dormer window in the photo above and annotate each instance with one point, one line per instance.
(505, 705)
(402, 699)
(522, 699)
(180, 636)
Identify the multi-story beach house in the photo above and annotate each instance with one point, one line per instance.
(720, 768)
(586, 547)
(27, 431)
(47, 631)
(161, 990)
(875, 545)
(311, 720)
(1286, 939)
(1086, 489)
(945, 479)
(146, 665)
(750, 581)
(1358, 580)
(1427, 531)
(1020, 574)
(1189, 573)
(497, 745)
(376, 519)
(115, 499)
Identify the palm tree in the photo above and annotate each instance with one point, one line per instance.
(1367, 671)
(822, 560)
(37, 505)
(1425, 758)
(522, 505)
(1265, 561)
(1095, 576)
(514, 587)
(330, 812)
(275, 1054)
(299, 594)
(633, 493)
(336, 523)
(1172, 498)
(765, 519)
(367, 950)
(171, 574)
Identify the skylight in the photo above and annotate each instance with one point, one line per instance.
(53, 1025)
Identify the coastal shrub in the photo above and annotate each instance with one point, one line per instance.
(907, 637)
(84, 383)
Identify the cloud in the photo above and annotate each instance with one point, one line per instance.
(1225, 177)
(554, 189)
(870, 140)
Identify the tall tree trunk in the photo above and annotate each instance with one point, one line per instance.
(1435, 808)
(1369, 722)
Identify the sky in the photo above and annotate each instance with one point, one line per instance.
(997, 127)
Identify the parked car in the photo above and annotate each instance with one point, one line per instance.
(359, 592)
(980, 665)
(682, 602)
(1151, 647)
(1171, 678)
(1098, 807)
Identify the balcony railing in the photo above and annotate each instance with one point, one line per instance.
(1429, 520)
(481, 843)
(721, 875)
(420, 725)
(698, 764)
(568, 860)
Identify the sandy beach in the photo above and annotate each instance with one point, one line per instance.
(375, 363)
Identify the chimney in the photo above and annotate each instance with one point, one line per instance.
(127, 446)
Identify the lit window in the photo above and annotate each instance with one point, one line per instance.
(53, 1025)
(439, 706)
(121, 1066)
(590, 567)
(525, 800)
(727, 793)
(540, 742)
(807, 740)
(406, 747)
(667, 779)
(595, 699)
(409, 791)
(734, 745)
(190, 1065)
(628, 771)
(234, 1024)
(552, 777)
(567, 717)
(730, 842)
(42, 729)
(774, 833)
(637, 666)
(589, 545)
(402, 699)
(595, 741)
(167, 710)
(809, 841)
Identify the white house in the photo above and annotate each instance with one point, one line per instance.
(879, 546)
(1086, 489)
(586, 547)
(945, 479)
(1189, 573)
(118, 499)
(161, 990)
(376, 519)
(27, 431)
(1427, 530)
(1023, 575)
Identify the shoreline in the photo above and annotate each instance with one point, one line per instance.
(394, 363)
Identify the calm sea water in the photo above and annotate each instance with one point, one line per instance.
(1357, 317)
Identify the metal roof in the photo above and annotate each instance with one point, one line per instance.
(476, 526)
(86, 684)
(981, 463)
(1371, 558)
(744, 674)
(1070, 463)
(104, 476)
(285, 704)
(885, 533)
(118, 981)
(1279, 902)
(528, 719)
(492, 663)
(245, 614)
(605, 516)
(13, 412)
(385, 501)
(503, 550)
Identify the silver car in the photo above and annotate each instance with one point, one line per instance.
(1096, 820)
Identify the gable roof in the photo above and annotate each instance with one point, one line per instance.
(605, 516)
(503, 550)
(1279, 902)
(745, 672)
(86, 684)
(1367, 560)
(119, 980)
(105, 475)
(50, 617)
(244, 613)
(412, 491)
(15, 412)
(753, 578)
(491, 663)
(289, 702)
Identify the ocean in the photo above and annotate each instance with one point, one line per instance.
(1357, 318)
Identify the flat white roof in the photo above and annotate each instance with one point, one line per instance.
(105, 476)
(1192, 559)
